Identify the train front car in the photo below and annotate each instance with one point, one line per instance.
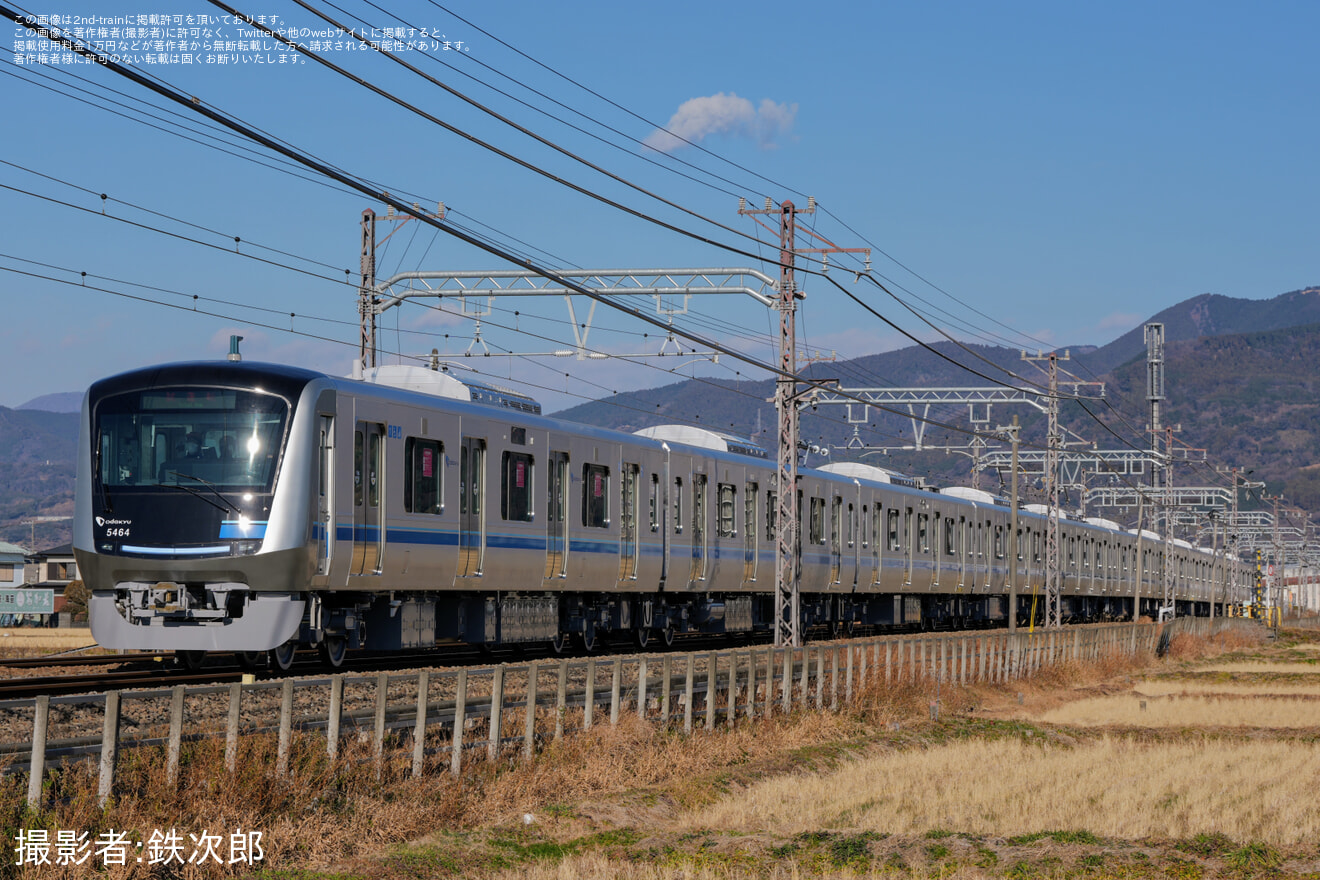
(193, 528)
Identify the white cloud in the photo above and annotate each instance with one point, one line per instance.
(724, 114)
(1119, 321)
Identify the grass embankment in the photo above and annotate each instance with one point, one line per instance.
(993, 789)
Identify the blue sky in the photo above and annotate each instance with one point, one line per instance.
(1067, 169)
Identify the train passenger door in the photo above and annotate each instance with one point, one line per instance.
(368, 498)
(698, 572)
(836, 539)
(556, 510)
(471, 507)
(325, 524)
(628, 522)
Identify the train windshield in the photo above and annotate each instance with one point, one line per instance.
(186, 436)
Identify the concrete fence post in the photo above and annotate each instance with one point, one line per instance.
(561, 700)
(109, 748)
(787, 683)
(848, 678)
(529, 715)
(37, 762)
(615, 684)
(419, 724)
(285, 743)
(834, 678)
(712, 692)
(688, 692)
(231, 727)
(667, 675)
(733, 688)
(336, 716)
(175, 745)
(589, 709)
(460, 721)
(820, 677)
(641, 688)
(496, 713)
(378, 738)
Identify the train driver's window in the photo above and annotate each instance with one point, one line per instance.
(423, 489)
(595, 496)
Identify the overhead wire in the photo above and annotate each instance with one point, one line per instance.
(705, 342)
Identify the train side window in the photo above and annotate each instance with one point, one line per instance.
(516, 487)
(1019, 545)
(1035, 546)
(893, 529)
(771, 515)
(423, 489)
(751, 491)
(836, 522)
(923, 533)
(373, 469)
(595, 496)
(999, 542)
(866, 535)
(850, 528)
(357, 468)
(655, 502)
(724, 524)
(950, 537)
(816, 535)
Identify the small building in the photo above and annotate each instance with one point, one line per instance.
(12, 569)
(51, 568)
(12, 573)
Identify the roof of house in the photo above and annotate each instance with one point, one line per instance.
(62, 550)
(8, 549)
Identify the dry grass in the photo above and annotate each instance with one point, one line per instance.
(1115, 787)
(1193, 711)
(1270, 687)
(1264, 664)
(23, 641)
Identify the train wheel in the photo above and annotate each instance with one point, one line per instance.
(559, 644)
(642, 637)
(252, 659)
(191, 659)
(333, 651)
(588, 640)
(282, 657)
(667, 636)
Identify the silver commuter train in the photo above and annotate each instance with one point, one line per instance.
(254, 508)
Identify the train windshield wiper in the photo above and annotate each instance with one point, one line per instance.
(227, 507)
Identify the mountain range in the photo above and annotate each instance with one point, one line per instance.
(1242, 378)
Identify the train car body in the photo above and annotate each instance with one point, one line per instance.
(248, 507)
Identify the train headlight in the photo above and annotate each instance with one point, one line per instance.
(245, 548)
